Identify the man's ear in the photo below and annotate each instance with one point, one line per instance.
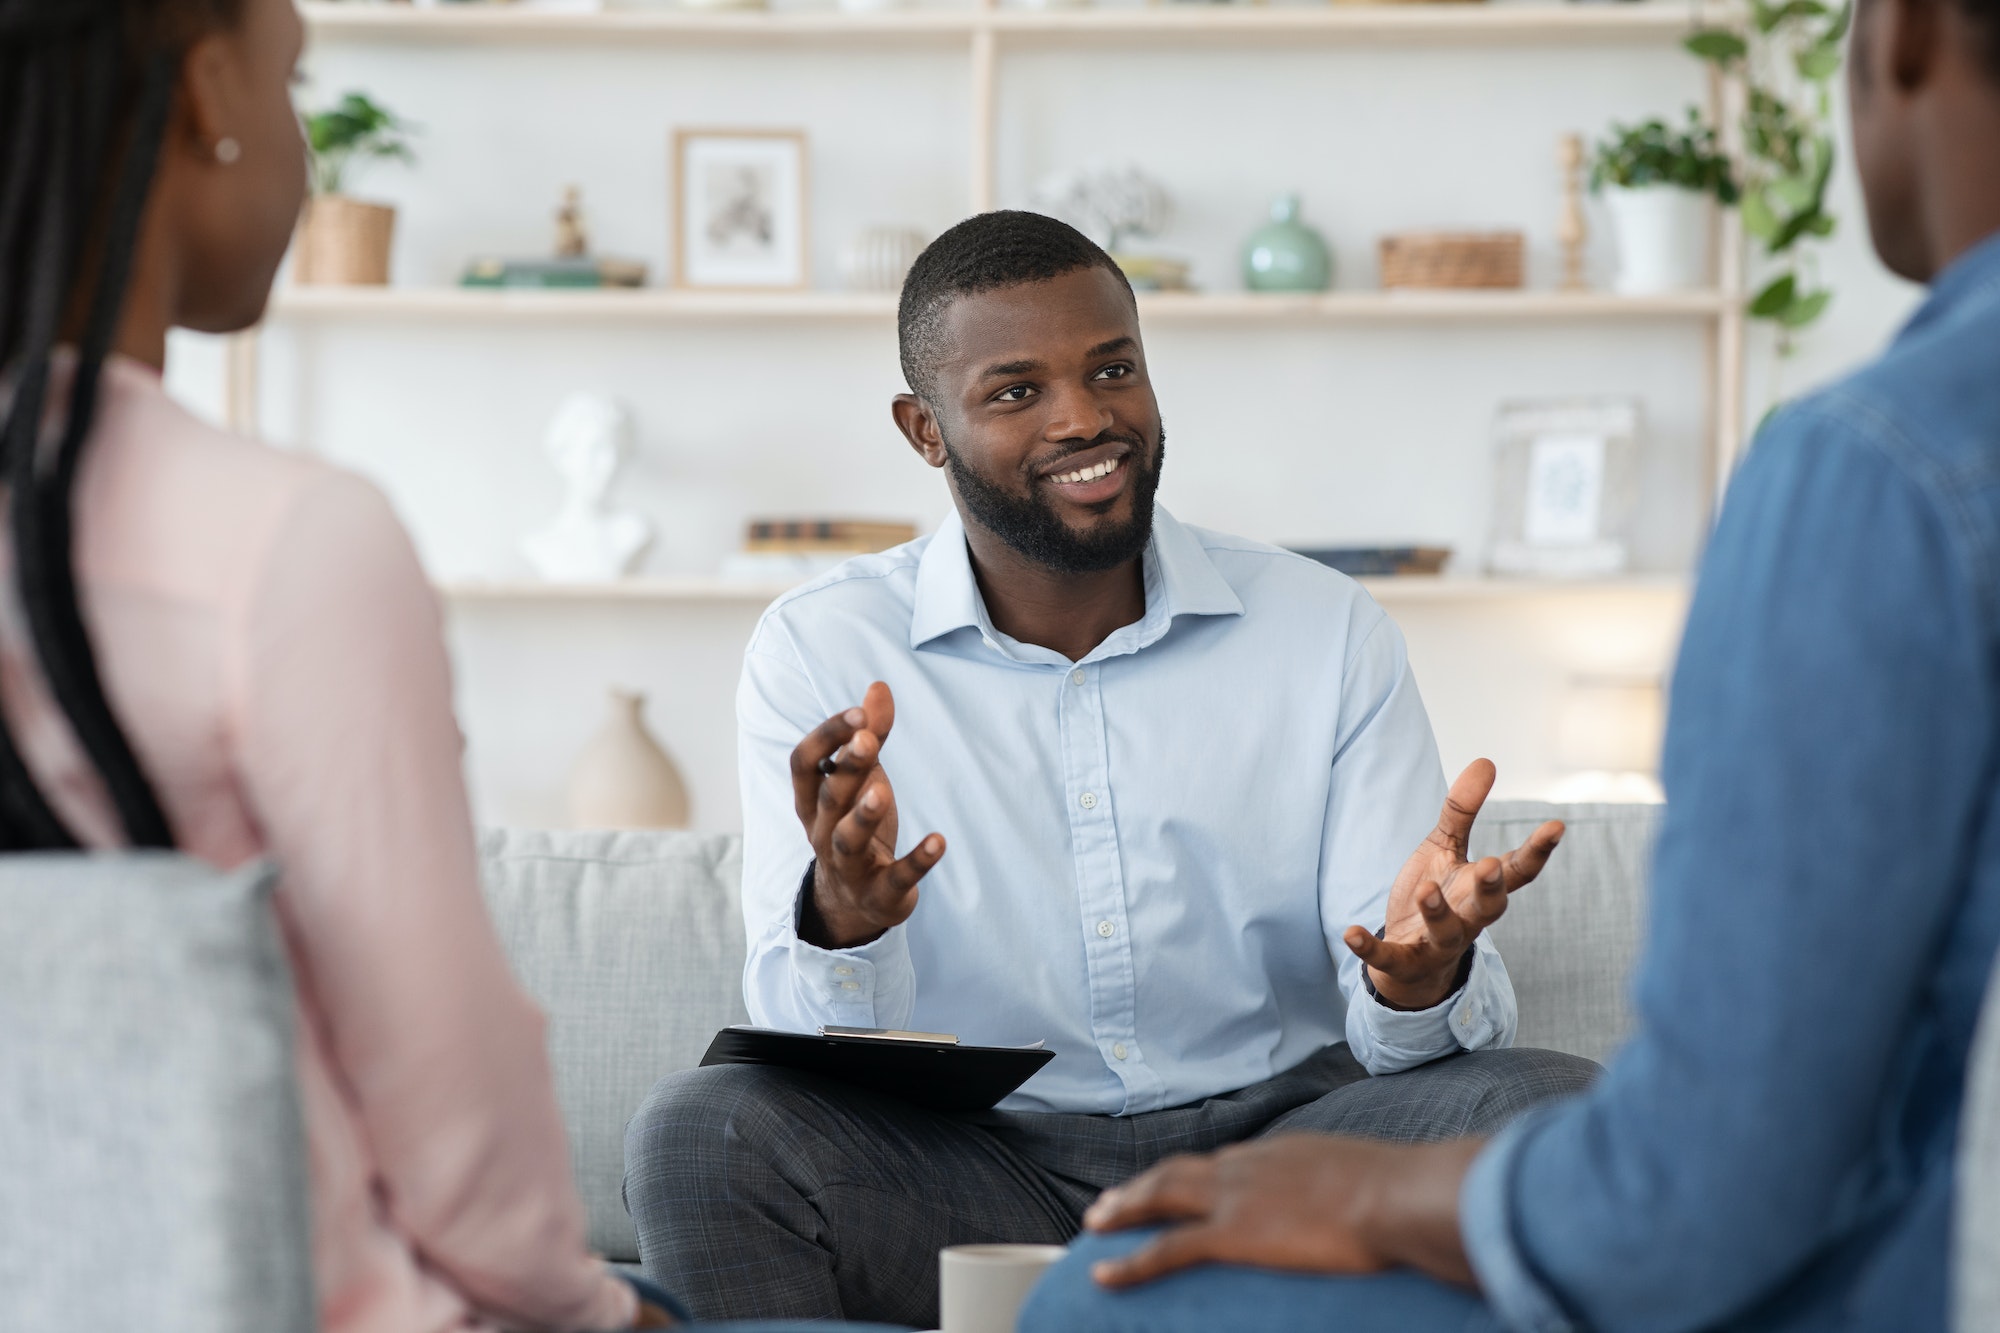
(918, 423)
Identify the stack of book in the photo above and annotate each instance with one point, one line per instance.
(1379, 561)
(790, 550)
(824, 536)
(581, 272)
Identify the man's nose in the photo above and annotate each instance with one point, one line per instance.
(1075, 413)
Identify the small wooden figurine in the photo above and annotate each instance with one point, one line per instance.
(1571, 230)
(572, 240)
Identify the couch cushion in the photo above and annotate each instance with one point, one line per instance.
(633, 945)
(152, 1151)
(1571, 938)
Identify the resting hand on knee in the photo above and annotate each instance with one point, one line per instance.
(1305, 1203)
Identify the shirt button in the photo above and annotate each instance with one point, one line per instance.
(843, 971)
(1076, 676)
(1088, 800)
(1465, 1018)
(1106, 929)
(850, 985)
(1118, 1049)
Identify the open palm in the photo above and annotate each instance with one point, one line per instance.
(1440, 901)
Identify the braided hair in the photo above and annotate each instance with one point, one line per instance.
(86, 87)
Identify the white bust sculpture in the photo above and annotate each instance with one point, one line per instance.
(588, 441)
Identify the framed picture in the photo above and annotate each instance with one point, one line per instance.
(740, 209)
(1565, 482)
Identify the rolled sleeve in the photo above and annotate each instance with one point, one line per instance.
(1513, 1289)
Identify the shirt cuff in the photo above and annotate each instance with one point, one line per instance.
(1518, 1294)
(853, 986)
(1470, 1018)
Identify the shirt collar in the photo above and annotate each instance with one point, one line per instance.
(1970, 279)
(1180, 580)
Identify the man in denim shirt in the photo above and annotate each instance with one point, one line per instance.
(1774, 1149)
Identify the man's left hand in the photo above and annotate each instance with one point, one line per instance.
(1440, 901)
(1300, 1202)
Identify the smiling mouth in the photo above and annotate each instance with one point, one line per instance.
(1081, 475)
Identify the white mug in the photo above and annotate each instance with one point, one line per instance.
(981, 1288)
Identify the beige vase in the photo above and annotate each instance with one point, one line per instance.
(623, 779)
(344, 242)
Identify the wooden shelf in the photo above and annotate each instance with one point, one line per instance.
(1356, 21)
(666, 305)
(644, 304)
(1405, 306)
(1404, 591)
(692, 589)
(1526, 22)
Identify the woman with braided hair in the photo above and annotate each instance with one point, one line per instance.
(208, 645)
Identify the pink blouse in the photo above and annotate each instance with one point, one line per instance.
(273, 651)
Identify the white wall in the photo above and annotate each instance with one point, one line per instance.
(1287, 433)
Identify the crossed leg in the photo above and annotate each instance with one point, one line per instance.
(765, 1193)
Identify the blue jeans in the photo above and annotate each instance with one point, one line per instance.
(1243, 1300)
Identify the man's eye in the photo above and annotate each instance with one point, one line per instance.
(1013, 393)
(1117, 372)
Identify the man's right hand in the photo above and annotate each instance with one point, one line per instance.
(859, 887)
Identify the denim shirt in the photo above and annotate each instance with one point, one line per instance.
(1774, 1148)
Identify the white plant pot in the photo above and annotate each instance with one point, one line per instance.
(1663, 234)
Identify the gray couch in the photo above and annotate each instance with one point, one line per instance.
(633, 944)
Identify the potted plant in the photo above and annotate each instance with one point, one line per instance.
(1783, 62)
(1657, 184)
(343, 239)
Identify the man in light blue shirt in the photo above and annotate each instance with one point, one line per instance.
(1181, 775)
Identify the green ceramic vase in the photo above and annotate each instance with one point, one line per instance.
(1286, 255)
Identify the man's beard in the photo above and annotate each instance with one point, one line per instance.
(1031, 527)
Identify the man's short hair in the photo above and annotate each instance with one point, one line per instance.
(1985, 15)
(981, 254)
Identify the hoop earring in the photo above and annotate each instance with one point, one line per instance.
(227, 151)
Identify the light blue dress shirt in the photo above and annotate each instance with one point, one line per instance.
(1151, 852)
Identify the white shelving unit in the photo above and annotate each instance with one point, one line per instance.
(1497, 654)
(1444, 22)
(987, 31)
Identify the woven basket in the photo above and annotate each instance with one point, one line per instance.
(1452, 259)
(344, 241)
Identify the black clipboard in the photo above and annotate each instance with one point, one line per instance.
(942, 1076)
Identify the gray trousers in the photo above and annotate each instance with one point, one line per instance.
(762, 1193)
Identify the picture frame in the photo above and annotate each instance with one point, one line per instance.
(739, 210)
(1565, 487)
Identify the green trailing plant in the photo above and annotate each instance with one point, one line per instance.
(1652, 154)
(354, 129)
(1784, 62)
